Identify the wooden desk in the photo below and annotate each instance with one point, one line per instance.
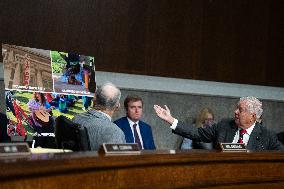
(151, 169)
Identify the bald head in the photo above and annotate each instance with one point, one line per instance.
(107, 97)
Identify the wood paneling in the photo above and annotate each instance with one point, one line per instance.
(218, 40)
(151, 169)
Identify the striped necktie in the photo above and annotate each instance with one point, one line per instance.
(136, 136)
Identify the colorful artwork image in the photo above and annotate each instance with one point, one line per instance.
(73, 73)
(41, 85)
(30, 113)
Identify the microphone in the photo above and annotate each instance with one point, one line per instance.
(261, 143)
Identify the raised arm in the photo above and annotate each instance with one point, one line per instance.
(164, 113)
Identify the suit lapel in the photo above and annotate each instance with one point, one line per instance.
(128, 131)
(231, 133)
(255, 137)
(143, 132)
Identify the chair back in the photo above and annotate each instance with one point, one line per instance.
(70, 135)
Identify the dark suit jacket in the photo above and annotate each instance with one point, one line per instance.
(280, 137)
(260, 139)
(3, 128)
(145, 130)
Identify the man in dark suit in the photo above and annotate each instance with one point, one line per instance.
(243, 129)
(135, 130)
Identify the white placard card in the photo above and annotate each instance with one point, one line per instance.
(233, 147)
(8, 149)
(128, 148)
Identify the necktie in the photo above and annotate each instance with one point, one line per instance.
(136, 136)
(242, 132)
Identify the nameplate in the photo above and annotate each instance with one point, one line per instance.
(128, 148)
(8, 149)
(233, 147)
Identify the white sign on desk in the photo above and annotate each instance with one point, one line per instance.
(8, 149)
(128, 148)
(233, 147)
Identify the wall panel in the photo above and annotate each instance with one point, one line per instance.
(216, 40)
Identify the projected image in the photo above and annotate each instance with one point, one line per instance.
(30, 113)
(27, 68)
(41, 85)
(73, 73)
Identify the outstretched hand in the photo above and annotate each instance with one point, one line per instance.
(164, 113)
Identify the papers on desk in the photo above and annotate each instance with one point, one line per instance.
(40, 150)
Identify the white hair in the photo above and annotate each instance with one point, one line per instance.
(108, 96)
(253, 105)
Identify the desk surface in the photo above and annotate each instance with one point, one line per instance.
(163, 169)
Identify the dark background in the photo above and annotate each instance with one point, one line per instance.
(239, 41)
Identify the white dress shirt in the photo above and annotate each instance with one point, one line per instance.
(174, 125)
(246, 135)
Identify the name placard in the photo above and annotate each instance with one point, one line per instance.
(8, 149)
(127, 149)
(233, 147)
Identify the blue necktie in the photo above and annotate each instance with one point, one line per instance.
(136, 136)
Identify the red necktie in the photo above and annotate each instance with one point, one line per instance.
(136, 136)
(241, 133)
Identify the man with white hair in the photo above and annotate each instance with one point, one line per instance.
(98, 121)
(244, 128)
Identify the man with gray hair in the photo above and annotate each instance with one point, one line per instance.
(244, 128)
(98, 121)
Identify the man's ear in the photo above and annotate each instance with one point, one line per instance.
(254, 116)
(117, 106)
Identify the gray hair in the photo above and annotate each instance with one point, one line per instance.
(107, 97)
(253, 106)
